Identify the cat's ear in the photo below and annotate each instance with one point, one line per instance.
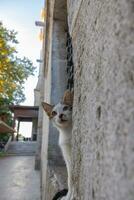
(68, 97)
(48, 109)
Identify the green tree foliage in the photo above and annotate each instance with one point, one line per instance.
(14, 71)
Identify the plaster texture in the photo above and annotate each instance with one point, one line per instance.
(103, 112)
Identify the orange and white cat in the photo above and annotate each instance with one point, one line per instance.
(61, 117)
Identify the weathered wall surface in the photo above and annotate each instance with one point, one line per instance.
(56, 178)
(103, 133)
(55, 81)
(47, 98)
(39, 97)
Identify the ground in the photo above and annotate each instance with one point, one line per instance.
(18, 179)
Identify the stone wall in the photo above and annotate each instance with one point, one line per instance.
(103, 113)
(39, 97)
(53, 171)
(47, 96)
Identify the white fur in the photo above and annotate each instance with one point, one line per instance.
(65, 133)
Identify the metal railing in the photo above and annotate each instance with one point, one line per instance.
(70, 65)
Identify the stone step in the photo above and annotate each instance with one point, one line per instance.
(22, 148)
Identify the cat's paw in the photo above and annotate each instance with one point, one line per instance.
(66, 198)
(69, 196)
(63, 198)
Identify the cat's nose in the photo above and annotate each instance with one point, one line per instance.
(61, 116)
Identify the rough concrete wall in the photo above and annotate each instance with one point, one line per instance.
(58, 83)
(56, 167)
(40, 98)
(53, 167)
(56, 171)
(103, 133)
(47, 95)
(73, 8)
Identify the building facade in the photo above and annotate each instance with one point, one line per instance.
(102, 36)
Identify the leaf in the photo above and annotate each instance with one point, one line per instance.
(13, 70)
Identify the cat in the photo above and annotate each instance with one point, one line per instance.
(60, 194)
(61, 117)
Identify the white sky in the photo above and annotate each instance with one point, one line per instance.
(21, 16)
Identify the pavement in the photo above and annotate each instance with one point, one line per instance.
(18, 179)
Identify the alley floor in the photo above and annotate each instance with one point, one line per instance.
(18, 179)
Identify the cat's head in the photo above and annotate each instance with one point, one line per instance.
(61, 114)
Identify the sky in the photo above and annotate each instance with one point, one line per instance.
(21, 16)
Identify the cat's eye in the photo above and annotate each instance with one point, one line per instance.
(54, 113)
(65, 108)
